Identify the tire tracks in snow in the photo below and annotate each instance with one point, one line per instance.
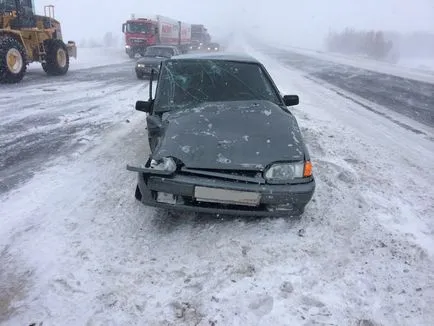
(66, 119)
(132, 264)
(410, 98)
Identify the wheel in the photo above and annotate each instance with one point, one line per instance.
(13, 60)
(57, 58)
(139, 76)
(131, 54)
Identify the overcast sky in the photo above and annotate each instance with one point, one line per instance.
(300, 21)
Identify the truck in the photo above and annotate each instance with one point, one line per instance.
(199, 37)
(140, 33)
(26, 37)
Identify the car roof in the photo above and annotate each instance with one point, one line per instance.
(224, 56)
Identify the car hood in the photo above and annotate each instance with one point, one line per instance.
(247, 135)
(151, 60)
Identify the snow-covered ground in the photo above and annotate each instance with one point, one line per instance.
(77, 249)
(418, 63)
(422, 70)
(93, 57)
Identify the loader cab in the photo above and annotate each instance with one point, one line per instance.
(23, 7)
(22, 11)
(7, 6)
(27, 6)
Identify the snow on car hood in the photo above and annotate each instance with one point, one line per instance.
(231, 135)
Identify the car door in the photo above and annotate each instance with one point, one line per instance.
(154, 118)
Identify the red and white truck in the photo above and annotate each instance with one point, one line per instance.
(157, 30)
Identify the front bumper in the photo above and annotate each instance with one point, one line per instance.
(275, 200)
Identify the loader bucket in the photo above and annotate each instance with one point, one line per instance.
(72, 49)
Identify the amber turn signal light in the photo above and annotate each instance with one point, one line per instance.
(307, 169)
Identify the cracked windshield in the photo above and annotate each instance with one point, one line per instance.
(217, 163)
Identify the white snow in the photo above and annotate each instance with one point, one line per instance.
(77, 249)
(422, 70)
(222, 159)
(418, 63)
(186, 149)
(93, 57)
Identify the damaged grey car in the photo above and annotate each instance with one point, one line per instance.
(223, 141)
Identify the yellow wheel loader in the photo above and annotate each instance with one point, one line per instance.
(26, 37)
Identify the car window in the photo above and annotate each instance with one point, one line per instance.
(185, 83)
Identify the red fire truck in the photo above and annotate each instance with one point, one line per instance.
(143, 32)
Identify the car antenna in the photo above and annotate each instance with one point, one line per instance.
(150, 84)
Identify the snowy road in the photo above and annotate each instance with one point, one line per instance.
(43, 119)
(77, 249)
(407, 96)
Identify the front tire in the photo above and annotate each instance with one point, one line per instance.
(57, 58)
(13, 60)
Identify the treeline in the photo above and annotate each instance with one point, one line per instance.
(369, 43)
(382, 45)
(415, 44)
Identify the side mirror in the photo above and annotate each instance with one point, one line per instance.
(144, 106)
(291, 100)
(123, 28)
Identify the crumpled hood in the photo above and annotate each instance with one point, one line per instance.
(246, 135)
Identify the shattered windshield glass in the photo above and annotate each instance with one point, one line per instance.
(187, 83)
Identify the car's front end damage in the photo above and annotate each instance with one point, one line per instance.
(246, 192)
(205, 161)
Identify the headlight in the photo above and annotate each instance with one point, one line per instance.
(140, 65)
(127, 47)
(165, 164)
(209, 49)
(284, 172)
(216, 49)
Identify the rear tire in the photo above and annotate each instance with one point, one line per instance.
(57, 59)
(13, 60)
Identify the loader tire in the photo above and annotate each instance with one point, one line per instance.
(13, 60)
(57, 58)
